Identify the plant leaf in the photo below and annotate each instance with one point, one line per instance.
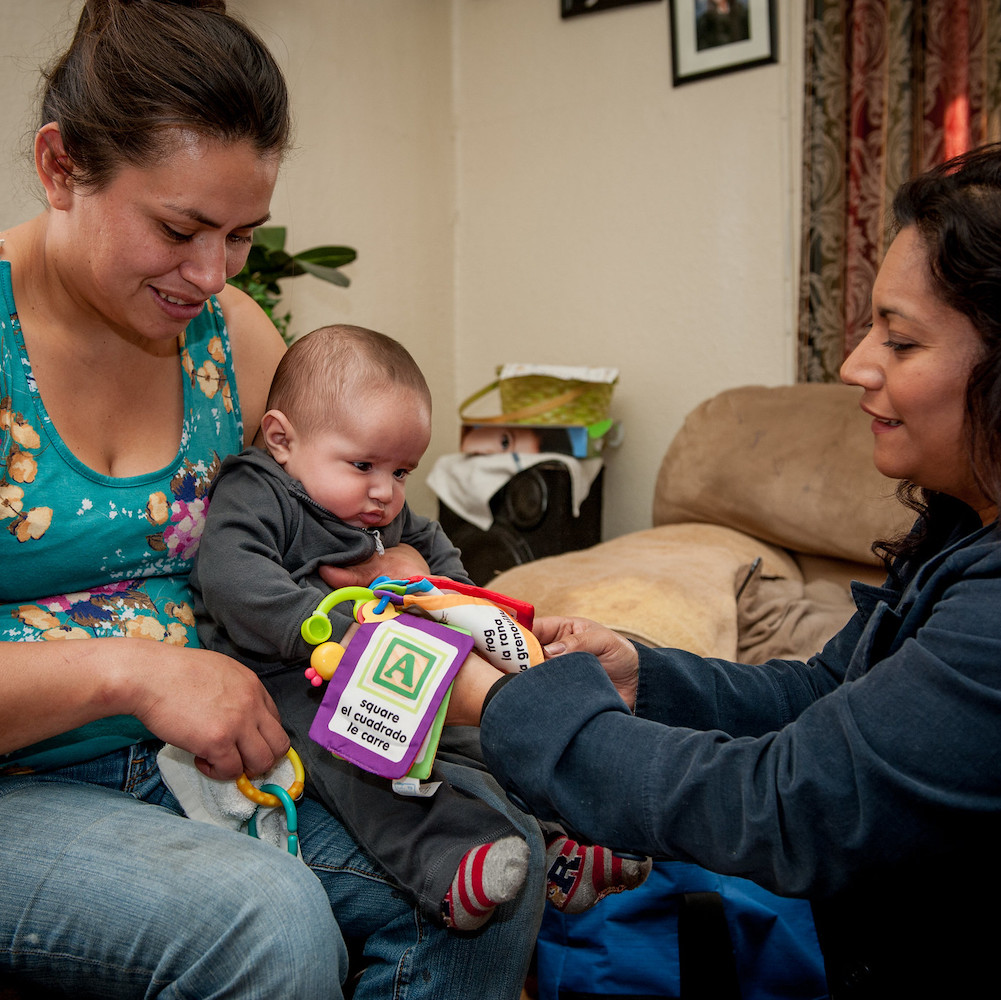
(271, 237)
(267, 262)
(327, 256)
(330, 274)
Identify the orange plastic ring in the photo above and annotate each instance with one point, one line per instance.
(365, 612)
(266, 798)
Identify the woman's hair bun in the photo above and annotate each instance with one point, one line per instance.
(217, 5)
(100, 9)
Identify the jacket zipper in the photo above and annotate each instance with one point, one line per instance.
(373, 532)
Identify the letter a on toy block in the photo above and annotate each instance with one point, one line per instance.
(388, 693)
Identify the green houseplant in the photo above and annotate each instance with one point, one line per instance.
(269, 262)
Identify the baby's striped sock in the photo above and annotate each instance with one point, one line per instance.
(487, 876)
(581, 874)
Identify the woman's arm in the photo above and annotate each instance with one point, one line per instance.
(680, 688)
(891, 766)
(201, 701)
(470, 689)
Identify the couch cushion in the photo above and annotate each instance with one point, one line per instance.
(666, 586)
(786, 619)
(790, 464)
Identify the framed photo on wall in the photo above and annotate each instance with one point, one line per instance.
(571, 8)
(710, 37)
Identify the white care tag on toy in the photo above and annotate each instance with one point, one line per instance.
(414, 787)
(386, 694)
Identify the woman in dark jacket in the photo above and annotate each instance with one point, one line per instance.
(868, 779)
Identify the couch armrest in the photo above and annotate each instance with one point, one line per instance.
(666, 586)
(790, 464)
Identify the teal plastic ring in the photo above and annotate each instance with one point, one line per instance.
(291, 817)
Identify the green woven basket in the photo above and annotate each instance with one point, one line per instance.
(544, 400)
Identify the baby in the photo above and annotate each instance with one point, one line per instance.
(348, 419)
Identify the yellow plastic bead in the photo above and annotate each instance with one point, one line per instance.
(324, 659)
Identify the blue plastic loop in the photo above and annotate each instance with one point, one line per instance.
(402, 586)
(291, 817)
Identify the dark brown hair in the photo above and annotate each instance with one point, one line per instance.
(137, 68)
(334, 368)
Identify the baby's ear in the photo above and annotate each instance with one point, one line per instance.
(278, 435)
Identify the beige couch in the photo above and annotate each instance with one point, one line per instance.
(784, 474)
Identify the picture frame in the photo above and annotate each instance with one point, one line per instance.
(572, 8)
(707, 41)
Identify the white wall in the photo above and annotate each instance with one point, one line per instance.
(521, 187)
(32, 33)
(608, 217)
(371, 88)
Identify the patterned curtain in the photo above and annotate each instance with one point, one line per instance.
(892, 88)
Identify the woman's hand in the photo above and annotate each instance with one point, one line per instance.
(558, 636)
(210, 705)
(617, 655)
(398, 563)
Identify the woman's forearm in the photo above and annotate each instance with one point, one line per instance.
(48, 688)
(469, 691)
(199, 700)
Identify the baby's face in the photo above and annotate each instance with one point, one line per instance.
(358, 469)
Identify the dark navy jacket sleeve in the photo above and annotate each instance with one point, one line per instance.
(683, 689)
(803, 777)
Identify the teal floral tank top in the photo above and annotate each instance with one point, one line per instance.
(86, 555)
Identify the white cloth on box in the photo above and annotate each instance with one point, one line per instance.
(221, 802)
(466, 483)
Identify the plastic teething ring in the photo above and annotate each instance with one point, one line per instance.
(368, 612)
(291, 817)
(266, 798)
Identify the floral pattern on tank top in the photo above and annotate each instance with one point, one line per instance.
(90, 555)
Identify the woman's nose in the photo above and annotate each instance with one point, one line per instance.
(861, 367)
(205, 266)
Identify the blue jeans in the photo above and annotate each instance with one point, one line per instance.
(109, 891)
